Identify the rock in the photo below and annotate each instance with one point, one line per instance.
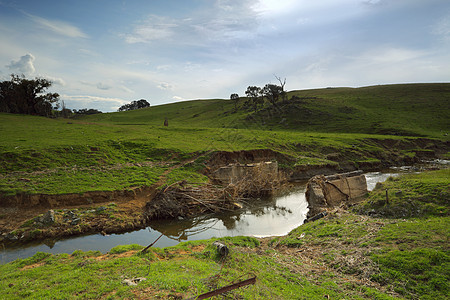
(133, 281)
(100, 209)
(12, 237)
(75, 221)
(221, 248)
(49, 217)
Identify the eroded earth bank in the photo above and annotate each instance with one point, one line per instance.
(233, 177)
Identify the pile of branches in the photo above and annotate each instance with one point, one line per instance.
(182, 200)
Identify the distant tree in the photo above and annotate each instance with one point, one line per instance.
(85, 111)
(254, 93)
(134, 105)
(65, 112)
(27, 96)
(235, 98)
(282, 84)
(272, 92)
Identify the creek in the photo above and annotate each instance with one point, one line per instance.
(274, 216)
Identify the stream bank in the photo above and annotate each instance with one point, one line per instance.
(122, 211)
(273, 216)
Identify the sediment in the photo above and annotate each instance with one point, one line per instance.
(137, 206)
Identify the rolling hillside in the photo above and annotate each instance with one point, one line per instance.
(403, 109)
(338, 127)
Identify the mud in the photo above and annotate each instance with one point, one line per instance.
(67, 200)
(223, 158)
(131, 210)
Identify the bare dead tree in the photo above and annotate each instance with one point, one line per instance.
(282, 84)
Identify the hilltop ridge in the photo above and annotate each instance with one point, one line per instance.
(421, 109)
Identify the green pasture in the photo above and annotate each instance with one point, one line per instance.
(313, 127)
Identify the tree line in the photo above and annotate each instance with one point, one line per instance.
(256, 95)
(134, 105)
(27, 96)
(20, 95)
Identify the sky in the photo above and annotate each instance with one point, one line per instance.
(102, 54)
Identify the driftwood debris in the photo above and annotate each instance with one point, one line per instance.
(226, 289)
(149, 246)
(184, 200)
(317, 217)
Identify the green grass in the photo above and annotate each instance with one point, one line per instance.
(343, 256)
(408, 256)
(64, 181)
(186, 270)
(39, 155)
(125, 248)
(405, 109)
(321, 127)
(412, 195)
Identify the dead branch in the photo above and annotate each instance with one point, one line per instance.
(226, 289)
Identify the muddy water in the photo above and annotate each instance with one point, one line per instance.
(265, 217)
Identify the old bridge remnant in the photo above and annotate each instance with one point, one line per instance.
(326, 192)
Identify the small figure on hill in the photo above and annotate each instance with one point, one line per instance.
(166, 122)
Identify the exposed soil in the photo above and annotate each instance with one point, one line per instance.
(128, 214)
(130, 206)
(223, 158)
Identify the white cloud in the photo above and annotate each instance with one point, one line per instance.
(223, 21)
(177, 98)
(163, 67)
(125, 89)
(390, 55)
(58, 27)
(372, 2)
(154, 28)
(165, 86)
(25, 65)
(88, 52)
(55, 80)
(103, 86)
(442, 28)
(87, 101)
(274, 6)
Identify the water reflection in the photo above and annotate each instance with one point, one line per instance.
(264, 217)
(181, 230)
(261, 217)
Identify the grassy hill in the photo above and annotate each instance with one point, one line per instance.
(356, 126)
(403, 109)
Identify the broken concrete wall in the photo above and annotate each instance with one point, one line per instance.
(236, 172)
(324, 192)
